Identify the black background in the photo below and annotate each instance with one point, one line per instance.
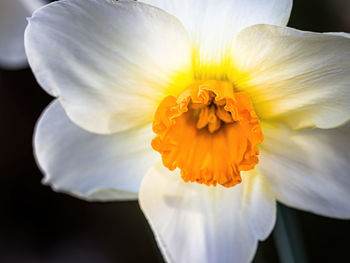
(39, 225)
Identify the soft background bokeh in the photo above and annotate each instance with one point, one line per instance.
(39, 225)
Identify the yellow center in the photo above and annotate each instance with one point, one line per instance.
(209, 132)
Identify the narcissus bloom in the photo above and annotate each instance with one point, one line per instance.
(211, 110)
(13, 14)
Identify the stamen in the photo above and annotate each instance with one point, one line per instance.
(224, 115)
(203, 119)
(214, 122)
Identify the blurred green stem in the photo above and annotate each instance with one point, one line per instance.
(287, 237)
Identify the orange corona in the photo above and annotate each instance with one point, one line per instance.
(209, 132)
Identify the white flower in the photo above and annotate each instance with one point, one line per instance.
(204, 72)
(13, 14)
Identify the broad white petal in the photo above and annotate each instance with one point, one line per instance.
(109, 62)
(197, 223)
(300, 78)
(213, 24)
(13, 14)
(91, 166)
(339, 34)
(309, 169)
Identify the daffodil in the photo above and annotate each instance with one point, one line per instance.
(13, 14)
(208, 111)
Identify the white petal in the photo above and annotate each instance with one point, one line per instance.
(91, 166)
(339, 34)
(300, 78)
(109, 62)
(212, 24)
(197, 223)
(309, 169)
(13, 14)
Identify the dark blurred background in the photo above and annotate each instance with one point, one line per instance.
(38, 225)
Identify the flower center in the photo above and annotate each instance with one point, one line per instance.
(209, 132)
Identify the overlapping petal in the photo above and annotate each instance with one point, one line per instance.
(109, 62)
(213, 24)
(196, 223)
(13, 14)
(299, 78)
(91, 166)
(309, 169)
